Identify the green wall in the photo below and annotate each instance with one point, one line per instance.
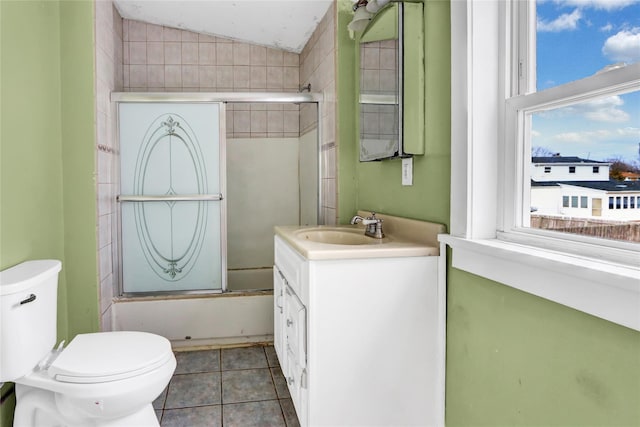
(376, 186)
(347, 157)
(77, 44)
(31, 193)
(379, 185)
(47, 151)
(513, 359)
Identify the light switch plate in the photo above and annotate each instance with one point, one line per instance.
(407, 171)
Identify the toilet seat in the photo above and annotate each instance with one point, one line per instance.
(109, 356)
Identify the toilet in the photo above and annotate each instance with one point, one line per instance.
(98, 379)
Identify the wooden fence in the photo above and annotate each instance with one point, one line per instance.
(613, 230)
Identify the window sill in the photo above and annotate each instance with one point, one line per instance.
(603, 289)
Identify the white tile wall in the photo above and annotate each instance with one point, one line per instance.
(317, 66)
(160, 59)
(109, 77)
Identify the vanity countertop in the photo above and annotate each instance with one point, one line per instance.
(403, 238)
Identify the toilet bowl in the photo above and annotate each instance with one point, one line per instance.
(98, 379)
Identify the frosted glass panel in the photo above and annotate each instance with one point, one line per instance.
(171, 150)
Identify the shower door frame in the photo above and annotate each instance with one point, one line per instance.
(220, 98)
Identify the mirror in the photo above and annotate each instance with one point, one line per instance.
(387, 127)
(380, 95)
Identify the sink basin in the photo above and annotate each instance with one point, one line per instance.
(404, 238)
(338, 237)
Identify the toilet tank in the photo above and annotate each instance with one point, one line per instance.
(28, 303)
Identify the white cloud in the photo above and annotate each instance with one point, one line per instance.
(566, 21)
(606, 28)
(598, 4)
(571, 137)
(623, 46)
(598, 135)
(611, 115)
(600, 110)
(627, 132)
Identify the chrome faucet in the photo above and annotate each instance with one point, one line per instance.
(374, 225)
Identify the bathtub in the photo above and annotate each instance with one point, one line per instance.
(237, 317)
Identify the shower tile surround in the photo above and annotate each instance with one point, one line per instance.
(163, 59)
(317, 67)
(135, 56)
(231, 387)
(109, 78)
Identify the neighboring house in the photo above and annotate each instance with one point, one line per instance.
(558, 168)
(581, 188)
(630, 176)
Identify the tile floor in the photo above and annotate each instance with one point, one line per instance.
(228, 387)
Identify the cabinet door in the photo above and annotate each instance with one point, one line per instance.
(279, 336)
(296, 377)
(296, 349)
(296, 326)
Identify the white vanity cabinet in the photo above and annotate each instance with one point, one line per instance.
(290, 324)
(358, 339)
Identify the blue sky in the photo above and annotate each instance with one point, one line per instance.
(576, 39)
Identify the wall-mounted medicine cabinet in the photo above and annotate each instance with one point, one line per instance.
(391, 83)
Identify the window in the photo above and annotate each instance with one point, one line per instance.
(491, 136)
(574, 201)
(584, 202)
(565, 201)
(558, 44)
(547, 169)
(625, 202)
(632, 202)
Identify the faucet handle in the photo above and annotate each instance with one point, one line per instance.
(373, 217)
(374, 226)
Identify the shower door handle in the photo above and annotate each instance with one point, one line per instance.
(172, 198)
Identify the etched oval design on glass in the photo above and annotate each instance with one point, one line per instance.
(170, 162)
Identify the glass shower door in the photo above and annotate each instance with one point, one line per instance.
(172, 210)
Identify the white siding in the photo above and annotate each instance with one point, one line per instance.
(622, 210)
(549, 201)
(560, 172)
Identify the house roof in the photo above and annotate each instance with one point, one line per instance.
(631, 176)
(566, 160)
(609, 186)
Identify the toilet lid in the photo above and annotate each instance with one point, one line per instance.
(110, 356)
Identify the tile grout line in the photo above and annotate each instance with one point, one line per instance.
(219, 369)
(273, 382)
(221, 390)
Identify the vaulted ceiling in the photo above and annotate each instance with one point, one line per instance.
(281, 24)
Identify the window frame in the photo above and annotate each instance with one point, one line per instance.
(490, 187)
(522, 101)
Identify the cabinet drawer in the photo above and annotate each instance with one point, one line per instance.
(290, 263)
